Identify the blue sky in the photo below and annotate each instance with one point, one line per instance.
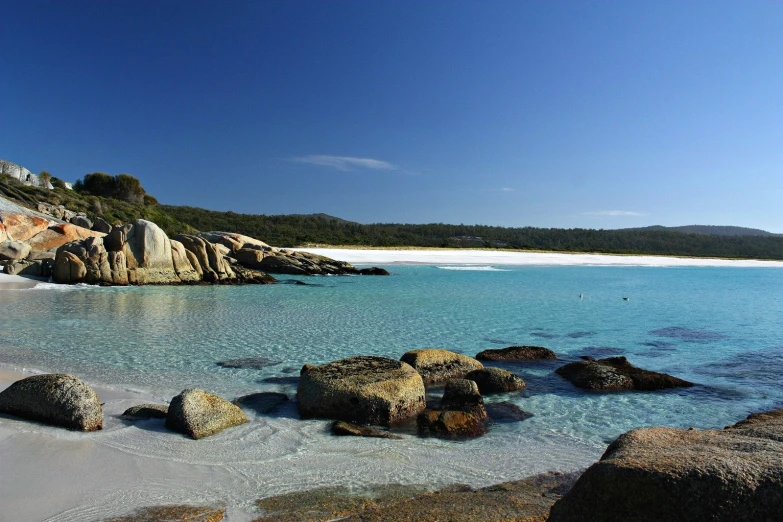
(554, 114)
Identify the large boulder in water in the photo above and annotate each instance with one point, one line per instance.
(366, 390)
(516, 353)
(655, 474)
(463, 395)
(199, 414)
(616, 373)
(58, 399)
(436, 365)
(495, 380)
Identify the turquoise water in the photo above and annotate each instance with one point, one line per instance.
(718, 327)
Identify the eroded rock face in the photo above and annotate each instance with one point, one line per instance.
(366, 390)
(13, 250)
(436, 365)
(654, 474)
(616, 373)
(58, 399)
(199, 414)
(516, 353)
(495, 380)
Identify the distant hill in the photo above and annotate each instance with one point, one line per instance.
(711, 230)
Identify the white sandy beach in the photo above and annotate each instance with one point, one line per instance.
(500, 257)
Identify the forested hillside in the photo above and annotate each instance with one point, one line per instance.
(298, 230)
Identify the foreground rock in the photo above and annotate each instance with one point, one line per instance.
(343, 428)
(616, 373)
(463, 395)
(495, 380)
(655, 474)
(146, 411)
(461, 413)
(199, 414)
(365, 390)
(173, 514)
(58, 399)
(525, 500)
(516, 353)
(436, 365)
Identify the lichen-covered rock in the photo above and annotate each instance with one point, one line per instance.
(436, 365)
(58, 399)
(655, 474)
(147, 411)
(450, 424)
(343, 428)
(13, 250)
(495, 380)
(616, 373)
(516, 353)
(21, 227)
(366, 390)
(58, 235)
(463, 395)
(199, 414)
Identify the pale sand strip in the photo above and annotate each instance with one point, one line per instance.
(500, 257)
(17, 282)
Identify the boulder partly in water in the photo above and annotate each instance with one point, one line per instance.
(58, 399)
(496, 380)
(516, 353)
(616, 373)
(199, 414)
(654, 474)
(365, 390)
(438, 365)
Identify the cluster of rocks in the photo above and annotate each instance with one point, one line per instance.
(141, 253)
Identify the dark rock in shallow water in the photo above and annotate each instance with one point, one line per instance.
(366, 390)
(199, 414)
(147, 411)
(437, 365)
(58, 399)
(291, 381)
(495, 380)
(656, 474)
(616, 373)
(173, 514)
(351, 429)
(688, 335)
(252, 363)
(463, 395)
(544, 335)
(263, 402)
(374, 271)
(450, 424)
(601, 351)
(516, 353)
(579, 335)
(506, 412)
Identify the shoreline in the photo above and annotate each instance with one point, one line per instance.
(433, 256)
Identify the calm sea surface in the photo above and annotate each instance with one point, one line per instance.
(719, 327)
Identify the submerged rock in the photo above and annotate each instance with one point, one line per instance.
(173, 514)
(654, 474)
(516, 353)
(263, 402)
(616, 373)
(251, 363)
(506, 412)
(147, 411)
(58, 399)
(495, 380)
(366, 390)
(199, 414)
(355, 430)
(437, 365)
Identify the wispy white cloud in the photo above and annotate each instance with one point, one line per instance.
(613, 213)
(346, 163)
(507, 189)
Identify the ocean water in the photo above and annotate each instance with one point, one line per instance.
(718, 327)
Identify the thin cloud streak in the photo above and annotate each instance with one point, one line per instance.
(346, 163)
(613, 213)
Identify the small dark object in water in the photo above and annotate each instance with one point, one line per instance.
(374, 271)
(251, 363)
(281, 380)
(356, 430)
(506, 412)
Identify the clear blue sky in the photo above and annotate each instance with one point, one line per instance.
(554, 114)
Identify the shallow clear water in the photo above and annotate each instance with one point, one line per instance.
(718, 327)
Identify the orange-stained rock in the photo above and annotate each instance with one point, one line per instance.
(20, 227)
(58, 235)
